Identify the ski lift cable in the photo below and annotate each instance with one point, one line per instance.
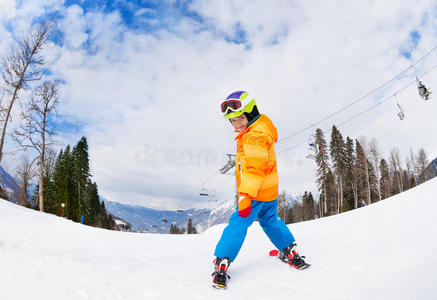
(367, 110)
(361, 98)
(387, 98)
(337, 112)
(202, 185)
(223, 182)
(228, 178)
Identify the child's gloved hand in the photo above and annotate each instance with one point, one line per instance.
(244, 206)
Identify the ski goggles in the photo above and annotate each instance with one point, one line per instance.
(231, 104)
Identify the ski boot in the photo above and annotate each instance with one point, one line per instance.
(290, 256)
(219, 275)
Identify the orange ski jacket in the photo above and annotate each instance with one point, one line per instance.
(255, 164)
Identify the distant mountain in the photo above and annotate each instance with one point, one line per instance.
(9, 183)
(221, 213)
(143, 219)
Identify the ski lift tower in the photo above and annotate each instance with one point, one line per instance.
(228, 166)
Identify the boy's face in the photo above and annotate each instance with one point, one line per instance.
(239, 123)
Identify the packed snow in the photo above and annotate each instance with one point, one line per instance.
(387, 250)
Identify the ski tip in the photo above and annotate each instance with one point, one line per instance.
(274, 252)
(305, 266)
(219, 286)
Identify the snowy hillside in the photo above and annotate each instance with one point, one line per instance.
(383, 251)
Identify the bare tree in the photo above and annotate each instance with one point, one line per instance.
(422, 162)
(282, 205)
(396, 168)
(38, 128)
(412, 165)
(25, 172)
(364, 144)
(50, 160)
(18, 69)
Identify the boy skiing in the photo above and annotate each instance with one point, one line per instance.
(257, 184)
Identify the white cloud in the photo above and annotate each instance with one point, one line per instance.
(149, 101)
(74, 26)
(143, 11)
(7, 10)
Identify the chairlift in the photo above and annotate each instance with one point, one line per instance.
(401, 112)
(423, 91)
(208, 194)
(204, 192)
(212, 198)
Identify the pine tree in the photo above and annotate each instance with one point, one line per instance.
(95, 212)
(190, 228)
(373, 182)
(64, 183)
(176, 230)
(69, 182)
(361, 171)
(108, 221)
(290, 215)
(331, 192)
(60, 186)
(308, 206)
(413, 181)
(322, 161)
(81, 175)
(298, 211)
(405, 181)
(304, 203)
(338, 154)
(52, 204)
(350, 187)
(53, 199)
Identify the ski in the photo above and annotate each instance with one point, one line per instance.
(275, 253)
(220, 286)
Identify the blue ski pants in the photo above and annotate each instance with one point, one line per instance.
(234, 234)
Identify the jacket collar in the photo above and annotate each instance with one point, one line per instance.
(248, 127)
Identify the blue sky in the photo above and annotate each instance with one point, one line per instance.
(411, 44)
(136, 15)
(152, 16)
(143, 80)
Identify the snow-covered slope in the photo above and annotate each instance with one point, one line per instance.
(387, 250)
